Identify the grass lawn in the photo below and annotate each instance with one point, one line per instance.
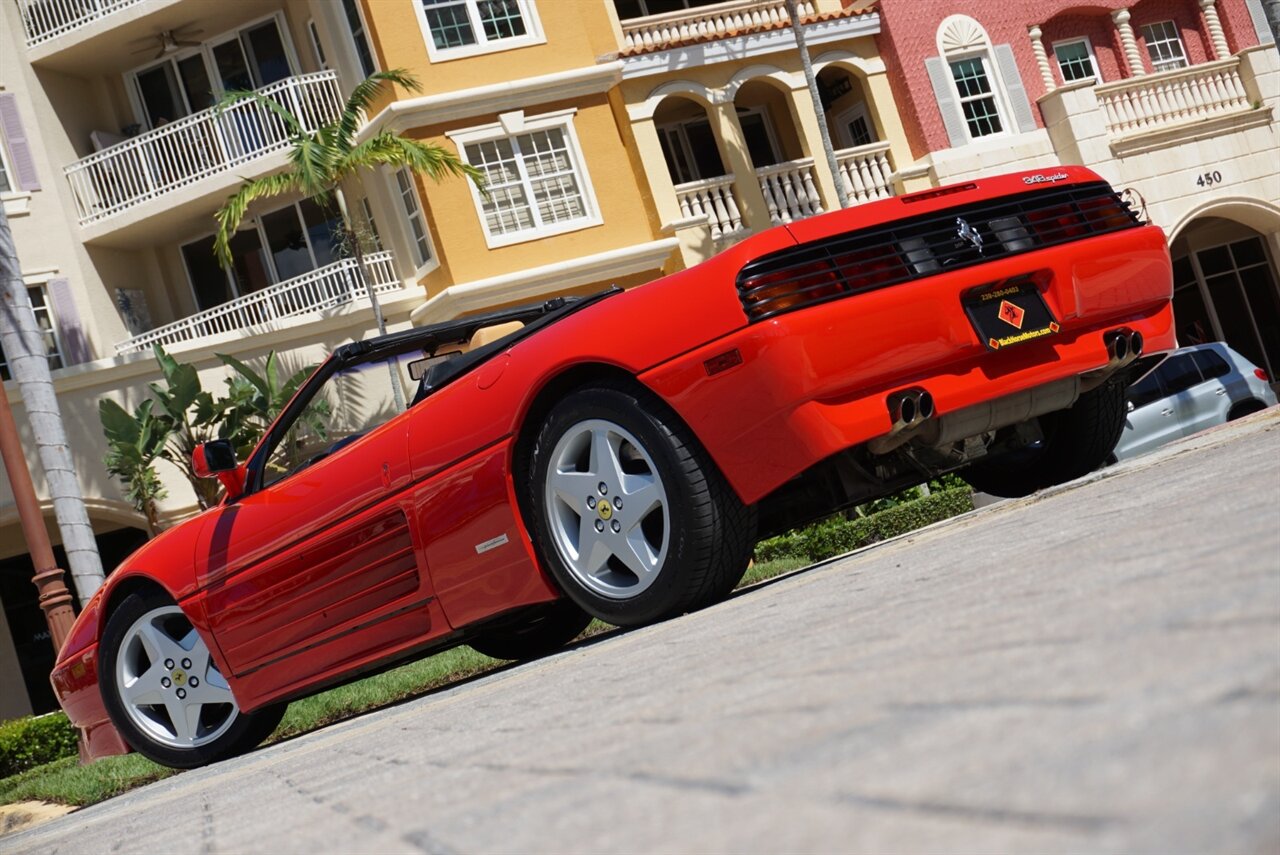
(66, 782)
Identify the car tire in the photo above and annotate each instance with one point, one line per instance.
(541, 630)
(1245, 408)
(1077, 441)
(165, 694)
(631, 517)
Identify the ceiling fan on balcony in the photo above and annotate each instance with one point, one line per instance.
(166, 42)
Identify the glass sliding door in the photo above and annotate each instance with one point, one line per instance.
(161, 97)
(181, 84)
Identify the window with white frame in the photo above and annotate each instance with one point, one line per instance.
(978, 101)
(359, 35)
(48, 331)
(854, 126)
(1076, 60)
(455, 28)
(413, 216)
(1164, 46)
(316, 46)
(6, 183)
(535, 181)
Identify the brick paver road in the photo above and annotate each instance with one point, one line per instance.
(1094, 668)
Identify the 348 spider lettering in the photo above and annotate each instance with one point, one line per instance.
(618, 456)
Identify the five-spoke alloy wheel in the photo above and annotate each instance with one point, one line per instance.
(164, 691)
(631, 516)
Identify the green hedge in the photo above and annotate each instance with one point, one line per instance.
(838, 536)
(29, 742)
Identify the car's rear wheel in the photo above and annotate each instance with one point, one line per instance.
(1245, 408)
(1077, 441)
(540, 630)
(632, 518)
(164, 692)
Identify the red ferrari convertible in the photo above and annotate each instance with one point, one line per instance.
(618, 455)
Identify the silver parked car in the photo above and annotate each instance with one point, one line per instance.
(1193, 389)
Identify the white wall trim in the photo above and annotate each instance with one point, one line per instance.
(518, 94)
(542, 281)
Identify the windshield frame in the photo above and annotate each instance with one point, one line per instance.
(422, 339)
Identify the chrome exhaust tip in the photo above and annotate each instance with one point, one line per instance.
(903, 410)
(1135, 344)
(924, 406)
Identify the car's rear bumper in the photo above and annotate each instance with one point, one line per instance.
(815, 381)
(75, 683)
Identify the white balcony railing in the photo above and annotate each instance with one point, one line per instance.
(866, 172)
(714, 199)
(1157, 101)
(789, 191)
(43, 20)
(321, 289)
(736, 17)
(197, 146)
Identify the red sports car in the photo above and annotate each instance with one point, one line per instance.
(618, 455)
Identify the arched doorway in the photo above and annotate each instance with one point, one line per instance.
(1226, 289)
(27, 656)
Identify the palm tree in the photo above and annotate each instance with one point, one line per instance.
(320, 161)
(24, 350)
(798, 31)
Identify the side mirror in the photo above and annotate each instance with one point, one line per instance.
(217, 459)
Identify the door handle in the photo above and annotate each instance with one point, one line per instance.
(1220, 392)
(1166, 412)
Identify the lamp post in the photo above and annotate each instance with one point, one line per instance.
(55, 599)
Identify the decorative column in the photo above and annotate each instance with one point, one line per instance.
(1219, 39)
(1128, 42)
(806, 119)
(1042, 58)
(649, 151)
(727, 129)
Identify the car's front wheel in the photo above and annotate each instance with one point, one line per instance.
(632, 518)
(164, 692)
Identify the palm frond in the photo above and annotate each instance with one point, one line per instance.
(234, 209)
(364, 95)
(425, 158)
(236, 96)
(313, 163)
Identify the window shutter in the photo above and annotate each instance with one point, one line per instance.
(944, 92)
(75, 347)
(15, 135)
(1260, 26)
(1022, 115)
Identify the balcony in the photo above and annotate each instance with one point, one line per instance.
(167, 160)
(789, 190)
(1161, 101)
(1090, 124)
(719, 20)
(324, 289)
(44, 20)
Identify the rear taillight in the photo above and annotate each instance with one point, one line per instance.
(1056, 224)
(870, 268)
(1261, 375)
(789, 288)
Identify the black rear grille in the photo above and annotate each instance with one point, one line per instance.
(915, 247)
